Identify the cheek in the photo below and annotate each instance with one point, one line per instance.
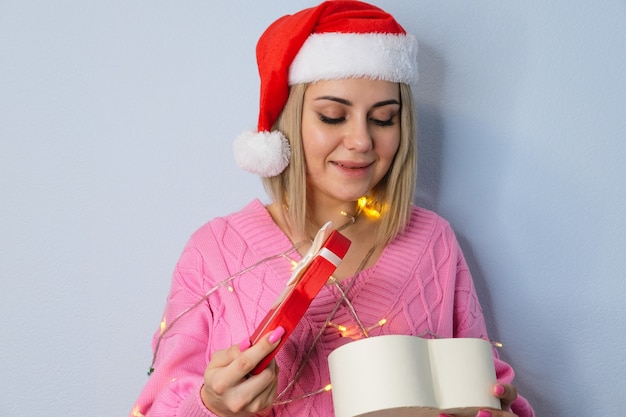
(389, 146)
(310, 147)
(315, 142)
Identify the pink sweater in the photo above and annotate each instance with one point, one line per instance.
(420, 285)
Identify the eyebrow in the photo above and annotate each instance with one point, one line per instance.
(349, 103)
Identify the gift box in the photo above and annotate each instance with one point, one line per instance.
(308, 278)
(408, 376)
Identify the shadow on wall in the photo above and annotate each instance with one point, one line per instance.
(429, 108)
(430, 111)
(428, 100)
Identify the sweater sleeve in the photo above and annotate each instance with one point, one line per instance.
(469, 321)
(173, 388)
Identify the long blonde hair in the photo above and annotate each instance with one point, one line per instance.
(391, 198)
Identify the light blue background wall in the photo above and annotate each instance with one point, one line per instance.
(116, 121)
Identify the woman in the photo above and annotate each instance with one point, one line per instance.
(335, 142)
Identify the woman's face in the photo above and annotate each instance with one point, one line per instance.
(350, 134)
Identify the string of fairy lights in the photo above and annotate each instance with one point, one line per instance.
(361, 329)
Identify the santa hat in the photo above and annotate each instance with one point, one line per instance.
(335, 40)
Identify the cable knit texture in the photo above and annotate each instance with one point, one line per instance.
(420, 284)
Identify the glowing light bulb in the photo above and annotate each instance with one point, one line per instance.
(328, 387)
(382, 322)
(163, 325)
(339, 327)
(367, 207)
(137, 413)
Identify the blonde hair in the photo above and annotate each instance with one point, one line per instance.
(391, 198)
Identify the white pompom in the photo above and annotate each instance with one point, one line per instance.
(263, 153)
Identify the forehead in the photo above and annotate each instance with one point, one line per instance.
(354, 89)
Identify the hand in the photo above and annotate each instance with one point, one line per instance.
(507, 393)
(227, 389)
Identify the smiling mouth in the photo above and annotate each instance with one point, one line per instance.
(353, 166)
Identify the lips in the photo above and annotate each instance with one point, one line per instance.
(352, 165)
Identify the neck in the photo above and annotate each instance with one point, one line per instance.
(346, 216)
(341, 215)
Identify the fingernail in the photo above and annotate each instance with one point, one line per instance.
(499, 390)
(483, 413)
(276, 334)
(245, 344)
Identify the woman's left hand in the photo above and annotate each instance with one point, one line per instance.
(507, 394)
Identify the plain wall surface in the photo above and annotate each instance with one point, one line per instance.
(116, 128)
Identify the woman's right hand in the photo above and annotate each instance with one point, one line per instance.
(227, 389)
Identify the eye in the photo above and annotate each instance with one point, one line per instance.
(388, 122)
(384, 117)
(331, 120)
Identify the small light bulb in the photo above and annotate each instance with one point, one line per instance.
(367, 207)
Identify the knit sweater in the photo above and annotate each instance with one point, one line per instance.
(420, 286)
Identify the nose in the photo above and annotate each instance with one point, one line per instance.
(358, 136)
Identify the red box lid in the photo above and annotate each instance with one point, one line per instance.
(293, 303)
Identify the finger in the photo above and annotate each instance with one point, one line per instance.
(255, 393)
(223, 358)
(266, 397)
(507, 394)
(239, 364)
(249, 395)
(274, 337)
(227, 369)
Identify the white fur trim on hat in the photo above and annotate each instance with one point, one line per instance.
(328, 56)
(263, 153)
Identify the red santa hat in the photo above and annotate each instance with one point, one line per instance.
(335, 40)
